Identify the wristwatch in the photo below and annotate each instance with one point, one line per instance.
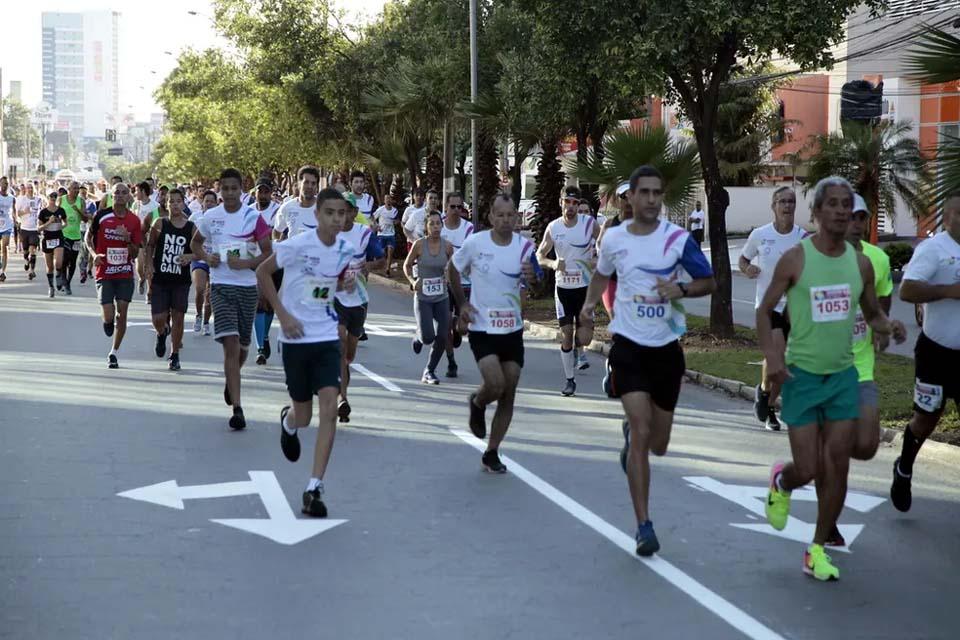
(683, 288)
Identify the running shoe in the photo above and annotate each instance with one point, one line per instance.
(68, 290)
(647, 543)
(237, 421)
(478, 423)
(289, 444)
(491, 462)
(625, 451)
(261, 358)
(313, 504)
(772, 423)
(3, 277)
(570, 388)
(363, 336)
(174, 362)
(452, 370)
(83, 278)
(429, 377)
(267, 352)
(582, 362)
(161, 347)
(112, 362)
(343, 410)
(142, 286)
(778, 502)
(31, 275)
(761, 403)
(816, 563)
(50, 293)
(417, 346)
(206, 329)
(26, 266)
(900, 493)
(197, 324)
(226, 395)
(59, 280)
(835, 539)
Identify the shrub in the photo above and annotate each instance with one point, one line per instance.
(899, 253)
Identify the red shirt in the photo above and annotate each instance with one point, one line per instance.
(106, 240)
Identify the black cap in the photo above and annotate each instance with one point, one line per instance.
(265, 182)
(571, 192)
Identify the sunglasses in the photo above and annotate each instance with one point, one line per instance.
(454, 206)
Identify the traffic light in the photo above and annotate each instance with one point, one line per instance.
(111, 135)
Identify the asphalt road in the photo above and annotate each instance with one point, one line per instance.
(429, 547)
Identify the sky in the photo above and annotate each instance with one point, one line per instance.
(147, 29)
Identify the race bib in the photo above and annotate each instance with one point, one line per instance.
(860, 328)
(503, 320)
(318, 292)
(830, 303)
(651, 307)
(571, 278)
(433, 286)
(928, 397)
(53, 243)
(116, 255)
(235, 249)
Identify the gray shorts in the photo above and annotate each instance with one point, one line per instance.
(869, 394)
(234, 310)
(109, 291)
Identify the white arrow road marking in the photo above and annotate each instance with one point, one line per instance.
(726, 611)
(280, 525)
(752, 499)
(383, 382)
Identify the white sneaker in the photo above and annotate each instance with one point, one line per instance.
(197, 323)
(206, 329)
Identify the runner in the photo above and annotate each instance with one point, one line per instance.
(90, 207)
(200, 273)
(413, 212)
(168, 268)
(52, 218)
(932, 278)
(586, 209)
(572, 237)
(313, 264)
(364, 201)
(350, 301)
(7, 206)
(267, 208)
(240, 241)
(386, 219)
(823, 278)
(114, 240)
(430, 305)
(766, 244)
(301, 209)
(646, 360)
(76, 211)
(695, 220)
(496, 261)
(624, 214)
(28, 212)
(147, 208)
(106, 202)
(414, 226)
(455, 231)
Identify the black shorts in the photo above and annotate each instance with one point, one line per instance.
(262, 304)
(508, 347)
(569, 304)
(166, 297)
(352, 318)
(654, 370)
(119, 289)
(936, 376)
(697, 235)
(310, 366)
(52, 240)
(781, 321)
(29, 238)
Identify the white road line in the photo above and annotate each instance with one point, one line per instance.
(383, 382)
(736, 618)
(749, 302)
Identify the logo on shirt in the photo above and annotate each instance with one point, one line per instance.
(820, 295)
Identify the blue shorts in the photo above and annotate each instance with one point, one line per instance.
(199, 264)
(388, 241)
(6, 234)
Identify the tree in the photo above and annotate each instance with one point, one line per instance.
(18, 132)
(881, 162)
(697, 44)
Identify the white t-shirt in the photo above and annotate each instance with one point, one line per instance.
(364, 203)
(294, 218)
(195, 206)
(496, 273)
(310, 273)
(357, 237)
(574, 245)
(143, 210)
(27, 211)
(386, 220)
(696, 220)
(456, 238)
(7, 203)
(640, 313)
(937, 261)
(269, 214)
(767, 245)
(413, 220)
(236, 233)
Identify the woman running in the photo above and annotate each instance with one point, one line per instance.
(200, 273)
(52, 218)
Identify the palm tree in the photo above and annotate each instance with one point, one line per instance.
(881, 162)
(627, 148)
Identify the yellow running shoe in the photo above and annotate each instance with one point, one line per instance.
(816, 563)
(778, 502)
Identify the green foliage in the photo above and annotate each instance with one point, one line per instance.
(18, 131)
(899, 254)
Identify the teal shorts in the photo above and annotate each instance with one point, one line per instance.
(810, 398)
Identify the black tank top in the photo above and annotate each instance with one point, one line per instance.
(172, 242)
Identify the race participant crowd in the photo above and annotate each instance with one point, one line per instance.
(304, 259)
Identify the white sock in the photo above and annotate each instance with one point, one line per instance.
(568, 358)
(113, 351)
(286, 426)
(315, 483)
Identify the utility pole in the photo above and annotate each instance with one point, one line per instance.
(474, 202)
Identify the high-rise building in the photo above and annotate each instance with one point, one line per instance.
(80, 70)
(16, 90)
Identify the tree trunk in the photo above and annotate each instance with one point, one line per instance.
(488, 177)
(516, 174)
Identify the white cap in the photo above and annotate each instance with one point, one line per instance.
(859, 204)
(622, 188)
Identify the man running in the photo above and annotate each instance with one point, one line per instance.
(147, 210)
(267, 208)
(301, 209)
(573, 237)
(455, 230)
(766, 244)
(414, 226)
(114, 240)
(200, 272)
(496, 261)
(363, 200)
(7, 213)
(168, 260)
(413, 211)
(28, 212)
(824, 279)
(313, 264)
(90, 207)
(106, 202)
(76, 210)
(240, 241)
(646, 361)
(932, 278)
(386, 220)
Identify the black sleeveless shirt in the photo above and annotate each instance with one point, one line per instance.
(172, 242)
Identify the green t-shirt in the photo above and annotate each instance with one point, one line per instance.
(71, 230)
(864, 356)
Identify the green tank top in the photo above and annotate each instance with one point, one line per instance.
(823, 308)
(71, 230)
(109, 200)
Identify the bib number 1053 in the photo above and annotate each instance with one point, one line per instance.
(831, 303)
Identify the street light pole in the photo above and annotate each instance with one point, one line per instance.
(473, 122)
